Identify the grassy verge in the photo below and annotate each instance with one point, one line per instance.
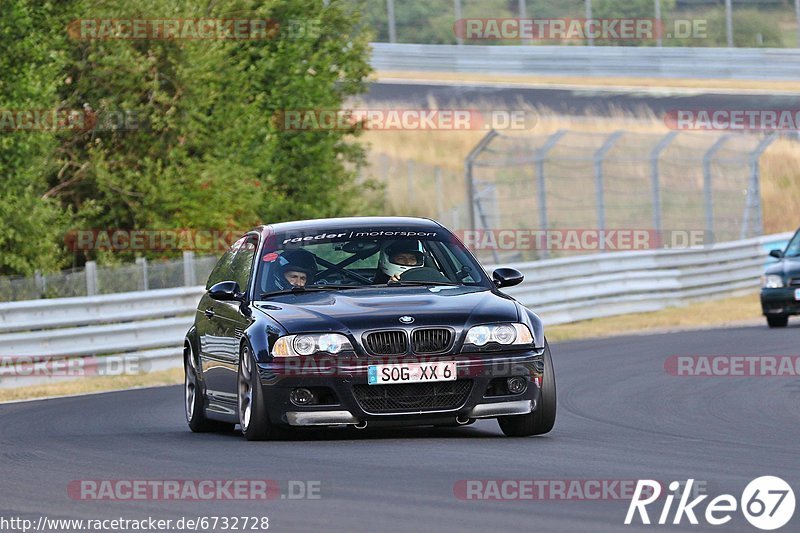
(593, 81)
(718, 313)
(94, 384)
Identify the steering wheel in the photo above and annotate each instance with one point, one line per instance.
(424, 274)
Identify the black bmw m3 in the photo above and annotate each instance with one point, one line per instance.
(364, 321)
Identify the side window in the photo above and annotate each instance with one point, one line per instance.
(242, 263)
(222, 271)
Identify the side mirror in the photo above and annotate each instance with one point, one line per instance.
(507, 277)
(778, 254)
(226, 291)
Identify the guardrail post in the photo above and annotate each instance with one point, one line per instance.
(599, 156)
(188, 269)
(708, 193)
(142, 262)
(655, 178)
(91, 278)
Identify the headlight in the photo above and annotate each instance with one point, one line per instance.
(499, 333)
(772, 282)
(297, 345)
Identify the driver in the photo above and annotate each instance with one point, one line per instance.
(399, 257)
(296, 268)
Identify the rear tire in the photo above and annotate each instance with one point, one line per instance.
(194, 398)
(779, 321)
(541, 420)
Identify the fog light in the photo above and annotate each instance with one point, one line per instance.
(301, 397)
(516, 385)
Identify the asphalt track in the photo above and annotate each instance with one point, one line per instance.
(621, 416)
(577, 101)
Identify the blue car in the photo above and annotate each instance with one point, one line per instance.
(780, 293)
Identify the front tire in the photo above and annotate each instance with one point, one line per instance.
(253, 417)
(193, 397)
(541, 420)
(778, 321)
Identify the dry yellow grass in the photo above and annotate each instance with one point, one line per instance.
(533, 81)
(730, 311)
(93, 384)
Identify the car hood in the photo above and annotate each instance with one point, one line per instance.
(787, 267)
(358, 310)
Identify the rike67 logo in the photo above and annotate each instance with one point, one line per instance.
(767, 503)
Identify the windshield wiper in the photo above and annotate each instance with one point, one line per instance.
(310, 288)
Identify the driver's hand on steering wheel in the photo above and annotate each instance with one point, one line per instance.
(395, 277)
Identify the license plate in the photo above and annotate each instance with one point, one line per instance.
(797, 294)
(411, 373)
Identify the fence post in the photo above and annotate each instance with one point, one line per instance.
(541, 189)
(188, 269)
(753, 202)
(590, 39)
(38, 281)
(391, 21)
(708, 193)
(599, 156)
(729, 22)
(437, 176)
(91, 278)
(457, 17)
(468, 164)
(655, 178)
(410, 183)
(659, 27)
(142, 262)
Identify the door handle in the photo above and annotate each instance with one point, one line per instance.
(209, 312)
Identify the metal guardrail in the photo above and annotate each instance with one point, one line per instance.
(149, 325)
(611, 61)
(580, 288)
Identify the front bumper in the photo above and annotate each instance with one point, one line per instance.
(342, 406)
(780, 301)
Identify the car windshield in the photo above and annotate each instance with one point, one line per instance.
(349, 259)
(793, 250)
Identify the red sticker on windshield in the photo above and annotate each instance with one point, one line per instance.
(270, 257)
